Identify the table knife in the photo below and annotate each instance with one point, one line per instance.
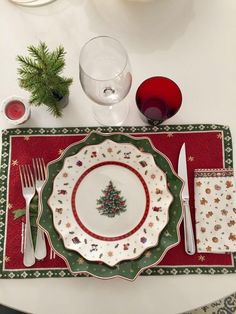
(188, 227)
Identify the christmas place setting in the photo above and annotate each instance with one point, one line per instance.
(108, 171)
(117, 243)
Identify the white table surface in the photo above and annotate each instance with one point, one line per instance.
(192, 42)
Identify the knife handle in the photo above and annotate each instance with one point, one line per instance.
(188, 230)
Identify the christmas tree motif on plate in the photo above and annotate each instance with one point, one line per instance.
(111, 203)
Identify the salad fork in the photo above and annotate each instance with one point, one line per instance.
(28, 191)
(40, 176)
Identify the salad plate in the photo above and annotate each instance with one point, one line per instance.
(127, 269)
(110, 202)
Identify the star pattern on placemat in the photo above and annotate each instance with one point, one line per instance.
(201, 258)
(26, 138)
(9, 206)
(7, 259)
(15, 162)
(219, 136)
(191, 158)
(170, 135)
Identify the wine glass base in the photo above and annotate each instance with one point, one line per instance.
(32, 3)
(113, 115)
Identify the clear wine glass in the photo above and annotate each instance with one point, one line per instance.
(31, 3)
(105, 76)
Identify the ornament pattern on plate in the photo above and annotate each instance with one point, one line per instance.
(82, 216)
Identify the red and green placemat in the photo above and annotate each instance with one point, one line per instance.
(208, 146)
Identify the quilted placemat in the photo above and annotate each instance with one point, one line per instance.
(208, 146)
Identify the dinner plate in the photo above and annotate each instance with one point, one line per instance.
(110, 202)
(128, 269)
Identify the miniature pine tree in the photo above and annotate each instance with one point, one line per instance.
(40, 74)
(111, 203)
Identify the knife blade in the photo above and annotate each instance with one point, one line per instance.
(188, 227)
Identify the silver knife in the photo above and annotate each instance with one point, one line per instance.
(188, 227)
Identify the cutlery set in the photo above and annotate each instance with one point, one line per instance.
(32, 181)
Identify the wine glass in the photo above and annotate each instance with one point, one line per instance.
(158, 98)
(31, 3)
(105, 76)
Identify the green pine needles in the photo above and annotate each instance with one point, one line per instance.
(40, 74)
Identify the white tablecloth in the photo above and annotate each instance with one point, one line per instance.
(192, 42)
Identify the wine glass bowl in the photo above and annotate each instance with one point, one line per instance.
(158, 98)
(105, 77)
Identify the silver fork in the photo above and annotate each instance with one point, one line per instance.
(40, 177)
(28, 191)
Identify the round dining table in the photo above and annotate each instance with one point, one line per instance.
(190, 41)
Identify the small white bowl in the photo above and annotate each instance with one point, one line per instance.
(23, 118)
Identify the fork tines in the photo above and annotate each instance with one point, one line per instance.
(26, 176)
(39, 168)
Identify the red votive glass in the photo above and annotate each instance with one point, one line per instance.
(158, 98)
(15, 110)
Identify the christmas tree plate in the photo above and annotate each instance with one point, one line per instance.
(110, 202)
(128, 269)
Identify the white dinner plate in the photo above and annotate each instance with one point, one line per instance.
(110, 202)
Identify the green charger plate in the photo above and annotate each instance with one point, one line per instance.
(127, 269)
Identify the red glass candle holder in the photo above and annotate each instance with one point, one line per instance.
(158, 98)
(15, 110)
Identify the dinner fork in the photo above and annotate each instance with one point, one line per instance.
(40, 177)
(28, 191)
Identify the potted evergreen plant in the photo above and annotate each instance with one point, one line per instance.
(40, 74)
